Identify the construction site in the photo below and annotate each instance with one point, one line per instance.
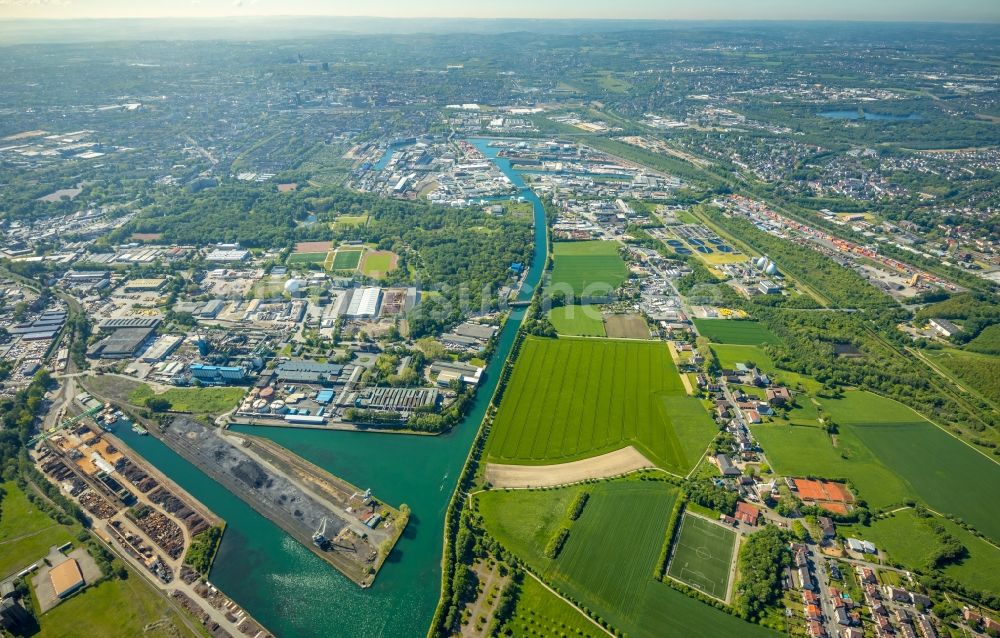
(342, 524)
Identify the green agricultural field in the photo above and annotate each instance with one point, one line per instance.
(703, 556)
(587, 267)
(582, 321)
(890, 454)
(26, 532)
(610, 557)
(539, 612)
(909, 540)
(574, 398)
(306, 258)
(194, 400)
(116, 609)
(747, 333)
(796, 450)
(346, 259)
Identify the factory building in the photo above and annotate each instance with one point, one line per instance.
(145, 285)
(110, 325)
(308, 372)
(161, 348)
(217, 375)
(122, 343)
(66, 578)
(362, 302)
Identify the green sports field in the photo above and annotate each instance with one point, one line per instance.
(306, 258)
(703, 556)
(747, 333)
(573, 398)
(378, 262)
(609, 559)
(582, 321)
(587, 267)
(346, 259)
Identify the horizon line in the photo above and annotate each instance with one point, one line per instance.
(986, 22)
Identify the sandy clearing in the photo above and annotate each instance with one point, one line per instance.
(627, 459)
(686, 382)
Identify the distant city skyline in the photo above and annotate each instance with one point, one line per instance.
(878, 10)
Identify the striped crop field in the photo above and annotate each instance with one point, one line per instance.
(572, 398)
(609, 561)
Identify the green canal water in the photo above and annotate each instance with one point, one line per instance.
(297, 594)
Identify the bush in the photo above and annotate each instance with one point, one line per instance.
(556, 543)
(576, 507)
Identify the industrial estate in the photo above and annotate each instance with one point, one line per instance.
(583, 330)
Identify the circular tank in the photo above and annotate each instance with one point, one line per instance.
(279, 407)
(771, 269)
(267, 393)
(260, 406)
(761, 262)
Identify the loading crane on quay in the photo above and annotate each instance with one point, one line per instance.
(319, 536)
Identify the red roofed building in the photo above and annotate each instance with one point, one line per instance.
(747, 513)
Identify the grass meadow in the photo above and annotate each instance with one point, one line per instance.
(26, 532)
(743, 333)
(591, 267)
(731, 354)
(194, 400)
(890, 454)
(609, 559)
(799, 450)
(909, 540)
(116, 609)
(581, 321)
(574, 398)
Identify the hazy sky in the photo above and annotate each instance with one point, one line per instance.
(901, 10)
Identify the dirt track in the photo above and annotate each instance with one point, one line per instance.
(614, 463)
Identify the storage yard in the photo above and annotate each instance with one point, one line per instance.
(353, 533)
